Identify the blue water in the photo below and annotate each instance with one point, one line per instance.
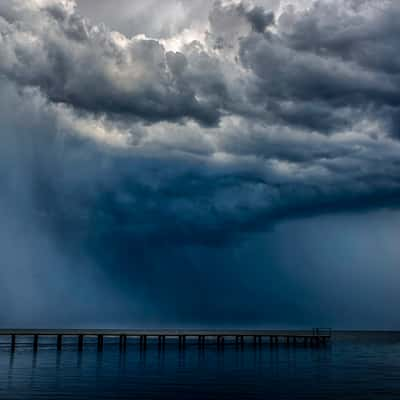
(354, 366)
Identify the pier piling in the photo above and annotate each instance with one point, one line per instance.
(59, 342)
(35, 342)
(100, 342)
(13, 342)
(80, 342)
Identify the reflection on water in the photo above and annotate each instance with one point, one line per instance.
(353, 367)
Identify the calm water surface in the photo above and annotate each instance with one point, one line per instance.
(354, 366)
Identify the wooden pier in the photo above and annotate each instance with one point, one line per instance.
(201, 338)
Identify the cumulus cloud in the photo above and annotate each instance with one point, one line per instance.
(93, 69)
(133, 155)
(268, 116)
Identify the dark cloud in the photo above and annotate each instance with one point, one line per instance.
(125, 153)
(307, 72)
(268, 157)
(259, 18)
(85, 66)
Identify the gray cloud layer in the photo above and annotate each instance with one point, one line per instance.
(268, 117)
(112, 145)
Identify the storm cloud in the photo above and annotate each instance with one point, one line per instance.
(250, 115)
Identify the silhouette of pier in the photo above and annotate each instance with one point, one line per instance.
(201, 338)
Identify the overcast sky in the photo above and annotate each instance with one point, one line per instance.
(183, 162)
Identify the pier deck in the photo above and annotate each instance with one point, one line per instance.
(315, 337)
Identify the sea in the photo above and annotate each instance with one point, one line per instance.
(355, 365)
